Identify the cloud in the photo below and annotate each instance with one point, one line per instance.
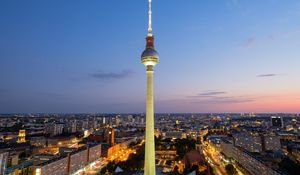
(254, 40)
(218, 97)
(270, 37)
(232, 4)
(258, 40)
(225, 99)
(267, 75)
(249, 42)
(112, 75)
(209, 93)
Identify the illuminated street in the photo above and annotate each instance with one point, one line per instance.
(214, 161)
(214, 158)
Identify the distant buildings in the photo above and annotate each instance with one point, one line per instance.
(39, 141)
(54, 129)
(174, 134)
(277, 121)
(58, 143)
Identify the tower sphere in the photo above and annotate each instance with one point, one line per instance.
(149, 57)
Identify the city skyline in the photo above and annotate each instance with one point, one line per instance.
(230, 56)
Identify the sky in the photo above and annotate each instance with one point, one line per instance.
(70, 56)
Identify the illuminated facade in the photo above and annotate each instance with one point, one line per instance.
(69, 164)
(149, 58)
(21, 136)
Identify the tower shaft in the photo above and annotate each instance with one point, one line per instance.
(149, 145)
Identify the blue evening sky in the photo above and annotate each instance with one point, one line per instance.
(84, 55)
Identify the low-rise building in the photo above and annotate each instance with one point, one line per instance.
(69, 163)
(245, 159)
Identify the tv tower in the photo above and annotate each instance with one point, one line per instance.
(149, 59)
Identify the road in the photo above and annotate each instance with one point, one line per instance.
(214, 162)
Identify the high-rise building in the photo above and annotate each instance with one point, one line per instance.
(118, 120)
(277, 121)
(58, 129)
(54, 129)
(149, 58)
(103, 120)
(21, 136)
(74, 126)
(111, 136)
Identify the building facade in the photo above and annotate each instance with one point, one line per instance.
(3, 162)
(69, 163)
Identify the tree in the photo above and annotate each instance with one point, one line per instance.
(183, 146)
(134, 161)
(290, 166)
(230, 169)
(195, 168)
(176, 170)
(169, 162)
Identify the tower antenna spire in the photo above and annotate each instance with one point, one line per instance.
(150, 18)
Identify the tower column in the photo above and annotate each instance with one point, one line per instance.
(149, 58)
(149, 139)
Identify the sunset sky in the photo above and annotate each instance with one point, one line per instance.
(84, 55)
